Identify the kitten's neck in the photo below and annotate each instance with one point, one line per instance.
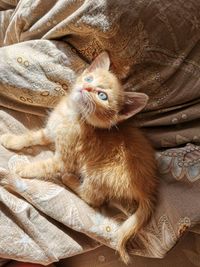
(70, 112)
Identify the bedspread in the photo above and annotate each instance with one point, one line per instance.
(154, 48)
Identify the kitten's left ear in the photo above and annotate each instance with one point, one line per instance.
(102, 61)
(134, 103)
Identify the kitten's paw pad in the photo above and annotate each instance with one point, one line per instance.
(10, 141)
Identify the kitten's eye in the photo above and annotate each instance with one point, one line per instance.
(88, 79)
(103, 96)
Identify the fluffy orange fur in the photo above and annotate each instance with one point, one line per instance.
(94, 142)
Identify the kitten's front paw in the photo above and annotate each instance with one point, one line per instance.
(11, 141)
(24, 170)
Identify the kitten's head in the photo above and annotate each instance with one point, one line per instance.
(99, 97)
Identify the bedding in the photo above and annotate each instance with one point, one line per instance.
(154, 48)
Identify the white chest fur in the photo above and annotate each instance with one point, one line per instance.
(62, 115)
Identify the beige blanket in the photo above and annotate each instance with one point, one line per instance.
(154, 48)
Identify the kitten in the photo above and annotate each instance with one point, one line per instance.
(94, 142)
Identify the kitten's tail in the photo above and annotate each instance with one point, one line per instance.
(131, 226)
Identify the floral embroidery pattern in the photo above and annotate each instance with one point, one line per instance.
(183, 162)
(184, 225)
(156, 239)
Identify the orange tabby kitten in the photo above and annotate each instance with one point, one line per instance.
(93, 141)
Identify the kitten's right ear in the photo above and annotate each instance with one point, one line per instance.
(102, 61)
(134, 102)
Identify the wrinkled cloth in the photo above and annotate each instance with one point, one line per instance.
(154, 48)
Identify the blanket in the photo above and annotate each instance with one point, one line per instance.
(154, 48)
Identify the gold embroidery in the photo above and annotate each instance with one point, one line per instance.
(45, 93)
(19, 60)
(108, 229)
(26, 63)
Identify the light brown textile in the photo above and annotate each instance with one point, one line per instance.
(154, 48)
(185, 254)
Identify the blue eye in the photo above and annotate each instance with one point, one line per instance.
(88, 79)
(103, 96)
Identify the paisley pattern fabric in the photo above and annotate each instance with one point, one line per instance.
(154, 48)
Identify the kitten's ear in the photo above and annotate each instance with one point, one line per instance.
(102, 61)
(134, 103)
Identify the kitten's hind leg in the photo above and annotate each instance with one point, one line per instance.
(91, 195)
(17, 142)
(72, 181)
(87, 193)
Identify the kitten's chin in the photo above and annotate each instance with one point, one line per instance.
(76, 100)
(76, 96)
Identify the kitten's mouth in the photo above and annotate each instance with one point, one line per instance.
(82, 95)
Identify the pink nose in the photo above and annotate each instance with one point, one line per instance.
(88, 89)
